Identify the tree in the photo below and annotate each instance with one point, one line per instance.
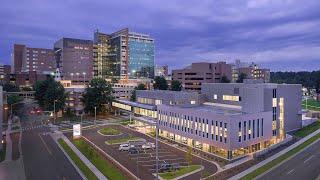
(224, 79)
(241, 77)
(139, 87)
(99, 94)
(9, 87)
(160, 83)
(176, 85)
(13, 99)
(49, 91)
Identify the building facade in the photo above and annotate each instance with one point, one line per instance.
(161, 71)
(252, 71)
(27, 59)
(193, 76)
(227, 119)
(74, 59)
(123, 55)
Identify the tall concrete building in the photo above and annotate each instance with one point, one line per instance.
(74, 59)
(26, 59)
(228, 120)
(193, 76)
(123, 55)
(252, 71)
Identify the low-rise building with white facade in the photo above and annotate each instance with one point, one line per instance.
(225, 119)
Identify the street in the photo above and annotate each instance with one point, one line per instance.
(305, 165)
(43, 159)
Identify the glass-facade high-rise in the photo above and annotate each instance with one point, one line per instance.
(141, 58)
(123, 55)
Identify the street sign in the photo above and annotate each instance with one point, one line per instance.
(76, 131)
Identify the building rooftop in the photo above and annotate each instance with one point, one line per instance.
(216, 108)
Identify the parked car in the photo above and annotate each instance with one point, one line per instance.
(164, 167)
(133, 150)
(148, 145)
(125, 147)
(175, 166)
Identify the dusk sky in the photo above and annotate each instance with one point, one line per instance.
(279, 34)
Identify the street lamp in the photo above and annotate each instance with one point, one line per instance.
(157, 150)
(84, 77)
(71, 76)
(95, 115)
(54, 111)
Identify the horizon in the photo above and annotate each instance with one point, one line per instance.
(279, 35)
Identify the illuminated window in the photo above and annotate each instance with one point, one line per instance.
(230, 98)
(193, 102)
(215, 96)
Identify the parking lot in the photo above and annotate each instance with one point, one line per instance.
(143, 164)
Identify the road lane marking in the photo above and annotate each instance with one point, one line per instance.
(308, 159)
(45, 145)
(291, 171)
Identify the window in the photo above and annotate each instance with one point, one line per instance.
(258, 127)
(230, 98)
(215, 96)
(192, 102)
(262, 127)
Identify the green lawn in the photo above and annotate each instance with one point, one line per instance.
(126, 122)
(273, 163)
(311, 104)
(104, 166)
(305, 131)
(109, 131)
(122, 139)
(183, 170)
(3, 152)
(84, 168)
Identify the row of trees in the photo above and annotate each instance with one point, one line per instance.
(307, 79)
(98, 94)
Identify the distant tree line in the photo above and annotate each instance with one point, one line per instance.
(307, 79)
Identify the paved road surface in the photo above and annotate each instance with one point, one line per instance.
(43, 159)
(305, 165)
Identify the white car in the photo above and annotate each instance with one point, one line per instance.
(125, 147)
(148, 145)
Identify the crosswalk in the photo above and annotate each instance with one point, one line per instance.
(32, 127)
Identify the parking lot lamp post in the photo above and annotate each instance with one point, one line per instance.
(95, 115)
(157, 149)
(54, 111)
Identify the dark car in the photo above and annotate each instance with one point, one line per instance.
(164, 167)
(133, 150)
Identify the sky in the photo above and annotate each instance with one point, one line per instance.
(283, 35)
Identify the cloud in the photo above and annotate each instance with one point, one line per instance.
(266, 31)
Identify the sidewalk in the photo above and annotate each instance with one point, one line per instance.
(13, 170)
(253, 168)
(58, 135)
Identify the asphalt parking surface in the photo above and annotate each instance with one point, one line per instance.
(143, 164)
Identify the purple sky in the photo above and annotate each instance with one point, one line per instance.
(279, 34)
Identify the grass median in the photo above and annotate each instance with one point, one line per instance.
(123, 139)
(280, 159)
(182, 171)
(305, 131)
(81, 165)
(104, 166)
(109, 131)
